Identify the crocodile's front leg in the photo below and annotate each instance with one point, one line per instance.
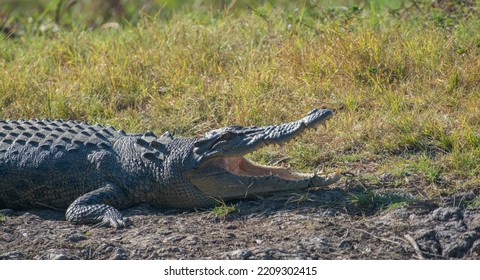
(98, 207)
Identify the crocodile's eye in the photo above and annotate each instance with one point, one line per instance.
(227, 135)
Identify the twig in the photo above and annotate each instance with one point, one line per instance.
(414, 244)
(343, 239)
(380, 238)
(230, 6)
(258, 13)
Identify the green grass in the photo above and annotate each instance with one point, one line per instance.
(404, 81)
(421, 165)
(475, 203)
(372, 201)
(222, 209)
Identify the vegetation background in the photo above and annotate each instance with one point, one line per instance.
(402, 76)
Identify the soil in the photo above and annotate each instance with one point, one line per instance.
(320, 224)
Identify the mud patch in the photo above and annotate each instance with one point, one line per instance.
(322, 224)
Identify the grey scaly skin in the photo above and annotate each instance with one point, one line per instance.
(92, 170)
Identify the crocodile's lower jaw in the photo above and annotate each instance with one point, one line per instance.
(243, 167)
(237, 177)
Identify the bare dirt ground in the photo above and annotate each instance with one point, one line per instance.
(321, 225)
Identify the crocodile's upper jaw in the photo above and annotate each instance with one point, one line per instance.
(236, 141)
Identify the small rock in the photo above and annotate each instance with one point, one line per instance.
(446, 213)
(239, 254)
(111, 25)
(191, 243)
(274, 254)
(345, 244)
(56, 255)
(328, 213)
(59, 257)
(108, 249)
(14, 255)
(76, 238)
(119, 254)
(191, 240)
(174, 238)
(175, 250)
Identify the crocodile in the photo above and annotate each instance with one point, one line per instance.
(93, 171)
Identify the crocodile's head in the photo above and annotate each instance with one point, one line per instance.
(219, 168)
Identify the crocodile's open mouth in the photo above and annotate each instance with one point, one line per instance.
(243, 167)
(224, 150)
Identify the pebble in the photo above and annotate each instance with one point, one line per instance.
(240, 254)
(53, 254)
(13, 255)
(76, 238)
(174, 238)
(119, 254)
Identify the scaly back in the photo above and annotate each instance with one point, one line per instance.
(47, 134)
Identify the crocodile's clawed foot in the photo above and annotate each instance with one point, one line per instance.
(113, 222)
(101, 214)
